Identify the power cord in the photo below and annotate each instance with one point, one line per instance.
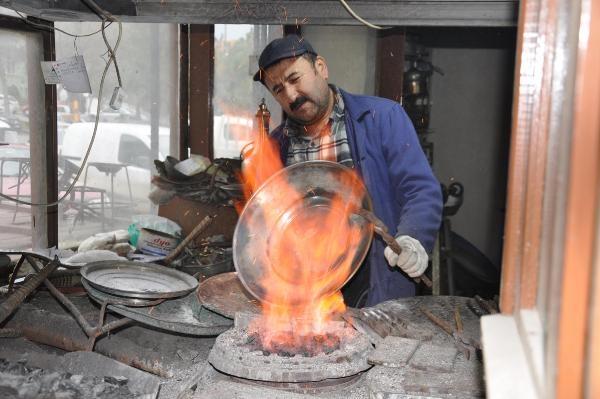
(106, 16)
(112, 58)
(358, 17)
(50, 28)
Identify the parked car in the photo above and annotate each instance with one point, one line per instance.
(119, 149)
(231, 134)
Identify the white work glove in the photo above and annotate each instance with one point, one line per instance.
(412, 260)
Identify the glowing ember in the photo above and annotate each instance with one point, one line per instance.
(310, 251)
(288, 344)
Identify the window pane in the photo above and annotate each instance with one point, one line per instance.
(115, 183)
(236, 96)
(21, 112)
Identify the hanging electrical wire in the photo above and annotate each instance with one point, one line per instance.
(53, 28)
(358, 17)
(106, 16)
(112, 59)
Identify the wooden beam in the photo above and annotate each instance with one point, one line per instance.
(390, 63)
(277, 12)
(523, 103)
(201, 89)
(15, 23)
(184, 99)
(51, 143)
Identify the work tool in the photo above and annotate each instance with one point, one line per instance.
(193, 234)
(463, 344)
(380, 228)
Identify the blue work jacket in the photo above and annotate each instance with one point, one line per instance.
(405, 194)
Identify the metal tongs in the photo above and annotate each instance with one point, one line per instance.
(381, 229)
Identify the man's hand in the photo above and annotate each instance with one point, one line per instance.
(413, 259)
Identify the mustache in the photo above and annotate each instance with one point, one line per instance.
(298, 102)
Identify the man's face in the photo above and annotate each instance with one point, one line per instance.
(300, 88)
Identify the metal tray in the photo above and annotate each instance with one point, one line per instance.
(138, 280)
(225, 295)
(182, 315)
(118, 300)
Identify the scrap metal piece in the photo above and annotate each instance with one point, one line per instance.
(486, 305)
(352, 317)
(475, 308)
(458, 320)
(377, 323)
(464, 345)
(10, 333)
(176, 315)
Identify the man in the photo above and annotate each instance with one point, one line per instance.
(372, 135)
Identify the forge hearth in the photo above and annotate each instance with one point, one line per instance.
(287, 344)
(338, 353)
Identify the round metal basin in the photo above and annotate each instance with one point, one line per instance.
(310, 233)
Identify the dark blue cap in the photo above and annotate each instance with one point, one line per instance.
(279, 49)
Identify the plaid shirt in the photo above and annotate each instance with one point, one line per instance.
(330, 145)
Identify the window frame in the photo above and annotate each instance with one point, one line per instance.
(553, 219)
(44, 219)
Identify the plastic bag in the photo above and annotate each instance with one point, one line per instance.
(152, 222)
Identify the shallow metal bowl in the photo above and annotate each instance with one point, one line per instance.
(137, 279)
(295, 221)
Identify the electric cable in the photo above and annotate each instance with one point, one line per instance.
(89, 149)
(51, 28)
(358, 17)
(106, 16)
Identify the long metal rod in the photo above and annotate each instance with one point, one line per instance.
(91, 332)
(13, 275)
(63, 300)
(380, 228)
(14, 300)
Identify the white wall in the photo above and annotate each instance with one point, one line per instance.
(470, 117)
(350, 52)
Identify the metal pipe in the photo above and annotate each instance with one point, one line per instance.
(64, 301)
(92, 332)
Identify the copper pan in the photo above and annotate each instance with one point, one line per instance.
(258, 246)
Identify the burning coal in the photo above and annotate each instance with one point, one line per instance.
(288, 344)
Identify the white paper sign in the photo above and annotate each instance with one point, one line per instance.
(72, 74)
(50, 77)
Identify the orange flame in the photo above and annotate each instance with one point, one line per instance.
(309, 253)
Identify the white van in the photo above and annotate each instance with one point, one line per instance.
(231, 134)
(118, 148)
